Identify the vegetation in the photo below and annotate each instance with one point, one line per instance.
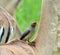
(29, 11)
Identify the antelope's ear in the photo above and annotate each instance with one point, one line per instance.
(1, 32)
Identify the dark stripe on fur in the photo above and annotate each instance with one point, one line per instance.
(7, 38)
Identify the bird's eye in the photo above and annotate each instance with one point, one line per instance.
(1, 32)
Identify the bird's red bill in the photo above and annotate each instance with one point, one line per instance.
(35, 23)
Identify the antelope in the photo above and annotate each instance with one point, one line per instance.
(11, 29)
(46, 37)
(10, 5)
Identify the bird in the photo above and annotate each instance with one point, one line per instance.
(29, 32)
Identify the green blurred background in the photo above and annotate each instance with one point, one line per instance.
(28, 12)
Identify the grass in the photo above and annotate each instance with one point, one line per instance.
(29, 11)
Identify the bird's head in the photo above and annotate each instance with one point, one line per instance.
(34, 24)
